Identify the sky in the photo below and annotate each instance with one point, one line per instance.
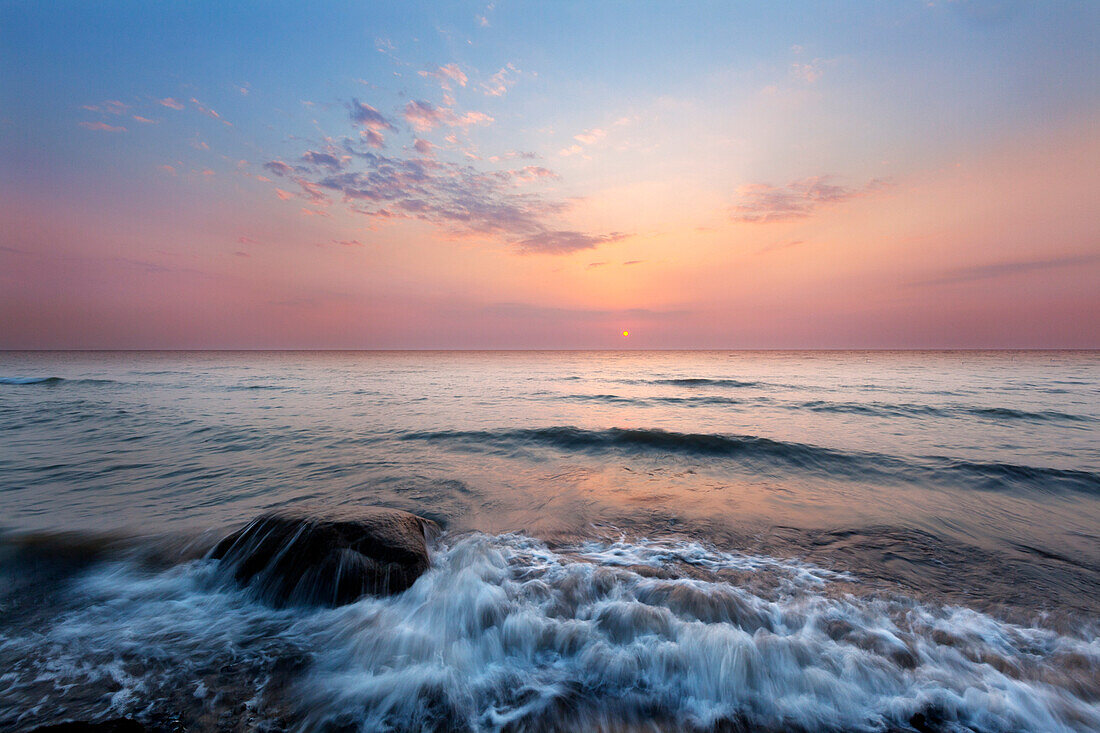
(369, 175)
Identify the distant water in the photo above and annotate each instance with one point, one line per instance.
(866, 541)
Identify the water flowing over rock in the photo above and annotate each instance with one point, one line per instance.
(324, 558)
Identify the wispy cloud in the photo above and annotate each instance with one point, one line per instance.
(447, 75)
(209, 112)
(1007, 269)
(366, 116)
(500, 82)
(371, 122)
(584, 139)
(812, 71)
(102, 127)
(565, 242)
(110, 107)
(424, 116)
(529, 173)
(762, 203)
(590, 136)
(170, 103)
(322, 159)
(776, 246)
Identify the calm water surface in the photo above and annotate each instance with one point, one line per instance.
(846, 541)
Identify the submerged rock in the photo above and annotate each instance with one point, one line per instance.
(329, 559)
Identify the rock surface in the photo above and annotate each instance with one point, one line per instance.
(311, 558)
(117, 725)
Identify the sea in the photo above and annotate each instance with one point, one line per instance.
(631, 541)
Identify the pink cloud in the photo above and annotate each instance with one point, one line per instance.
(171, 103)
(366, 116)
(565, 242)
(279, 168)
(209, 112)
(445, 75)
(532, 173)
(500, 82)
(111, 107)
(589, 137)
(373, 138)
(372, 121)
(762, 203)
(812, 71)
(102, 127)
(424, 116)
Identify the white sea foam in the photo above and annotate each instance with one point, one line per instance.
(504, 631)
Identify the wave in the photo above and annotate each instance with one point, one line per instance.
(619, 399)
(872, 409)
(637, 439)
(699, 382)
(765, 454)
(30, 380)
(506, 633)
(881, 409)
(1013, 414)
(25, 381)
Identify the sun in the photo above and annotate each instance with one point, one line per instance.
(626, 333)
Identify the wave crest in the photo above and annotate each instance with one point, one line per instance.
(765, 454)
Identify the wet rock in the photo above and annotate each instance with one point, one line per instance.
(118, 725)
(328, 559)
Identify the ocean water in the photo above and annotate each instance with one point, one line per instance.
(795, 541)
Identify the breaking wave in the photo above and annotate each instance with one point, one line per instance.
(506, 633)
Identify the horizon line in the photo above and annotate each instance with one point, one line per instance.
(565, 350)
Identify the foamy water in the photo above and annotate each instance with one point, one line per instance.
(504, 630)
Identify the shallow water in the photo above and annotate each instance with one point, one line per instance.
(838, 541)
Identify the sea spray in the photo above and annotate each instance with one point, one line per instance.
(507, 632)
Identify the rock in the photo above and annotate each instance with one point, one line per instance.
(313, 558)
(118, 725)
